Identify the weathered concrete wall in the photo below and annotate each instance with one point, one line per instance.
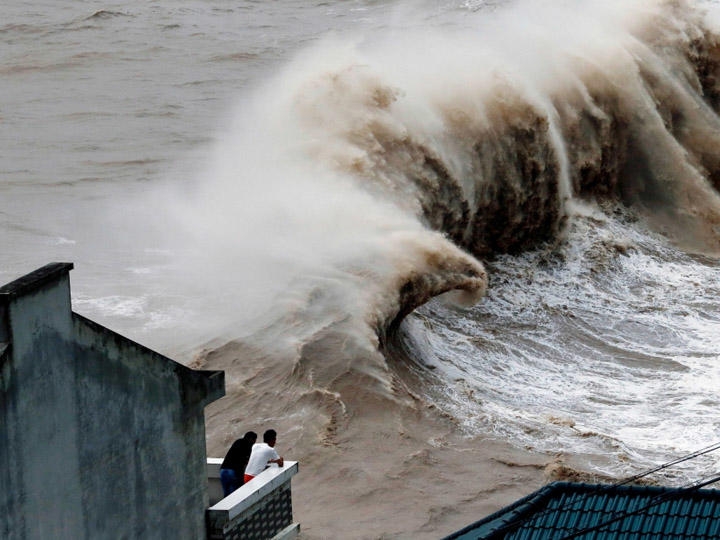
(101, 437)
(40, 486)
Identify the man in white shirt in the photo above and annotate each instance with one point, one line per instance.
(262, 455)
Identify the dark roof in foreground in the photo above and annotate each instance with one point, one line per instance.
(587, 511)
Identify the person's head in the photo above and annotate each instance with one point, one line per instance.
(250, 437)
(269, 437)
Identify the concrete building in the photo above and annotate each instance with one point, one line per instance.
(99, 436)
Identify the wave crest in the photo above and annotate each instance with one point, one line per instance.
(495, 166)
(490, 138)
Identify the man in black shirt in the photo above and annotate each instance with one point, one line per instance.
(232, 469)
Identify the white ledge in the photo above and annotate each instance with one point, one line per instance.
(260, 486)
(213, 467)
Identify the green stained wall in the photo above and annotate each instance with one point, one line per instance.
(99, 436)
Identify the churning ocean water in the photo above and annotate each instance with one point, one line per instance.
(266, 170)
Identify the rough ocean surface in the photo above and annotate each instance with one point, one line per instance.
(450, 251)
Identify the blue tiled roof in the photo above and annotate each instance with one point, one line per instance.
(593, 512)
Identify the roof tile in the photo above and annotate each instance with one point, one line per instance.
(609, 512)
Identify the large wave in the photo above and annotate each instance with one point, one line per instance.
(493, 151)
(374, 174)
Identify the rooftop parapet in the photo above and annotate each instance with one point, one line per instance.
(34, 280)
(26, 285)
(260, 509)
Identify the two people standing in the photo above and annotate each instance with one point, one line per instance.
(233, 466)
(245, 460)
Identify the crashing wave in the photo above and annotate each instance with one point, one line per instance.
(475, 144)
(630, 116)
